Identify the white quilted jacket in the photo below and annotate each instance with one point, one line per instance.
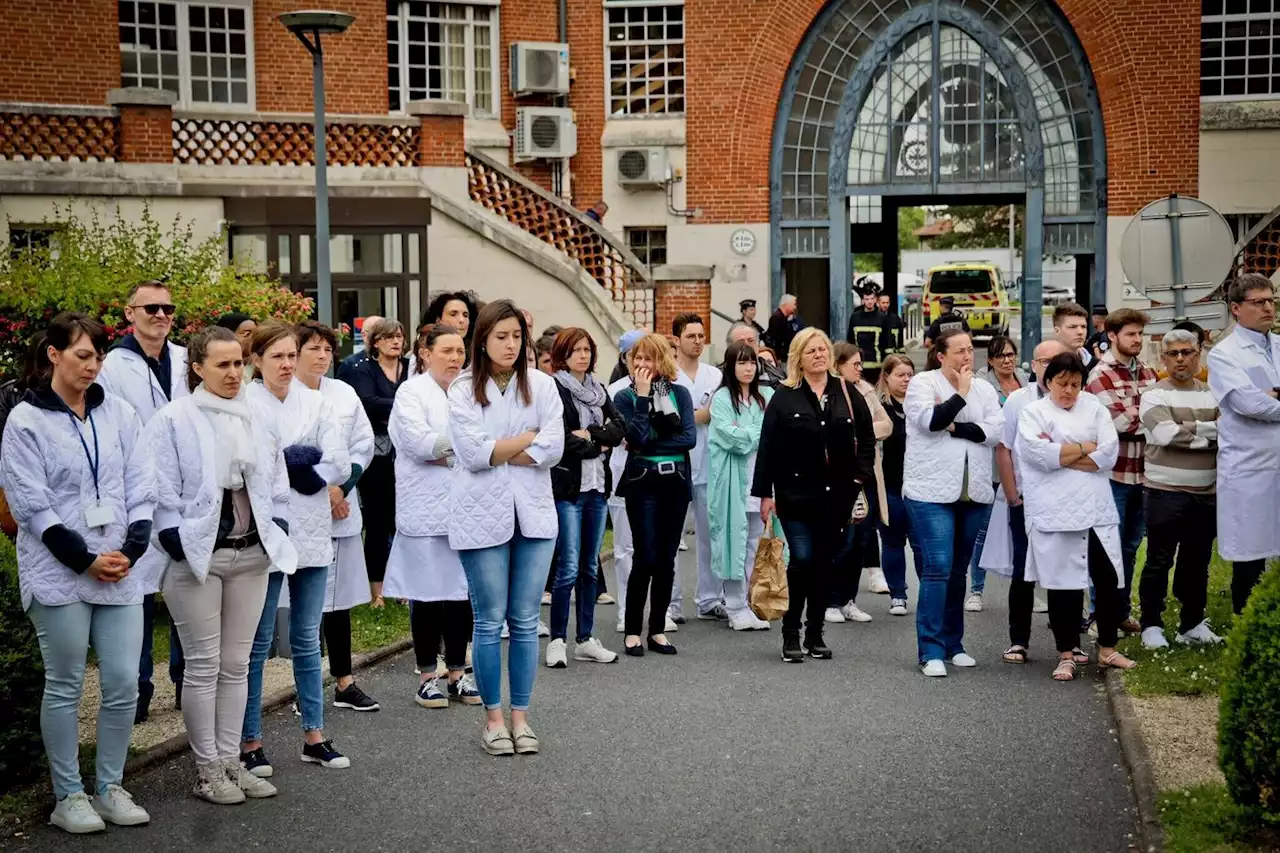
(934, 466)
(357, 432)
(304, 417)
(49, 481)
(424, 499)
(488, 499)
(180, 441)
(1062, 499)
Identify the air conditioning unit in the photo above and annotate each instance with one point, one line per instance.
(545, 133)
(539, 68)
(642, 167)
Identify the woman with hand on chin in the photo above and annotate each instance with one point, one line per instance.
(222, 490)
(348, 580)
(80, 487)
(506, 427)
(315, 457)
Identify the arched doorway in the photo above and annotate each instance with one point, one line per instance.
(895, 102)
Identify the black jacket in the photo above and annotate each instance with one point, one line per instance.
(814, 461)
(376, 391)
(781, 331)
(566, 476)
(869, 331)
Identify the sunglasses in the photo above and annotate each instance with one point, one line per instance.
(154, 308)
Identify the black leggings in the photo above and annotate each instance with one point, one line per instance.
(336, 627)
(378, 506)
(431, 620)
(1066, 605)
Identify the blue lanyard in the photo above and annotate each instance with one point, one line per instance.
(93, 459)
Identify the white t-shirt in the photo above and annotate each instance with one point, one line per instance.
(700, 388)
(618, 455)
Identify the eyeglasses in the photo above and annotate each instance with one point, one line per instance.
(1181, 353)
(1005, 355)
(1262, 301)
(154, 308)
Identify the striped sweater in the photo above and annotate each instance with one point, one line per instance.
(1182, 437)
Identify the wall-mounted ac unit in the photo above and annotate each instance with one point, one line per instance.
(545, 133)
(539, 68)
(642, 167)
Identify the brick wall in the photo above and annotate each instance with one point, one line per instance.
(678, 297)
(146, 134)
(59, 52)
(441, 142)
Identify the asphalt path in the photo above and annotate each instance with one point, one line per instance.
(721, 748)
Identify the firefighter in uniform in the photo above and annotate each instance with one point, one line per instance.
(869, 331)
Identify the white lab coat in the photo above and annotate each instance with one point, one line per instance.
(1063, 504)
(934, 466)
(489, 499)
(701, 388)
(1248, 445)
(348, 582)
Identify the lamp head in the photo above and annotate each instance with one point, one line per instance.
(322, 21)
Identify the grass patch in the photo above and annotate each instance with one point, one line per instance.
(372, 628)
(606, 545)
(1205, 820)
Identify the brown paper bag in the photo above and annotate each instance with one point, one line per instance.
(7, 524)
(768, 594)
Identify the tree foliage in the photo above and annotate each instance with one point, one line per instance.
(981, 227)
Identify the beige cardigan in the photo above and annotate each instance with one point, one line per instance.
(882, 426)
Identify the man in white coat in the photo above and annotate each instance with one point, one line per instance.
(1244, 376)
(148, 370)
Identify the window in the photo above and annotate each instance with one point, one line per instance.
(649, 245)
(644, 42)
(202, 52)
(31, 237)
(1240, 49)
(442, 52)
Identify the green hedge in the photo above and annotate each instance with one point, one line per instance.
(1249, 723)
(21, 751)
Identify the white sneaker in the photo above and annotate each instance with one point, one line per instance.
(622, 626)
(214, 785)
(1040, 601)
(546, 599)
(934, 669)
(963, 660)
(898, 607)
(683, 547)
(853, 613)
(973, 604)
(671, 627)
(877, 583)
(1199, 635)
(593, 651)
(556, 654)
(506, 631)
(747, 621)
(254, 788)
(1153, 638)
(117, 806)
(605, 599)
(834, 616)
(543, 630)
(74, 813)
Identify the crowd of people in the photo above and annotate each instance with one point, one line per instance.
(472, 472)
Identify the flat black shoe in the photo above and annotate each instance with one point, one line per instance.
(791, 651)
(636, 651)
(818, 651)
(660, 648)
(142, 712)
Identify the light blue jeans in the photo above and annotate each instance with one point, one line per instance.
(581, 533)
(65, 633)
(306, 606)
(946, 533)
(506, 583)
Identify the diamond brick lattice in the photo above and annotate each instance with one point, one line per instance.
(232, 142)
(59, 138)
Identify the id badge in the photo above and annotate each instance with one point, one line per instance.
(97, 515)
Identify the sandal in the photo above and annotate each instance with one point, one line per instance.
(1080, 658)
(1115, 660)
(1065, 670)
(1015, 654)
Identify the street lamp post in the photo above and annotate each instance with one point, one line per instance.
(308, 26)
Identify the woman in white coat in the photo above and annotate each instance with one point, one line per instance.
(422, 567)
(506, 427)
(222, 493)
(81, 491)
(953, 424)
(315, 457)
(348, 581)
(1066, 448)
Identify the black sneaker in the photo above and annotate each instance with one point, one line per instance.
(255, 761)
(354, 698)
(325, 755)
(817, 650)
(791, 651)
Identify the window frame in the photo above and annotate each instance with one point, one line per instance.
(1272, 57)
(607, 44)
(648, 231)
(48, 231)
(185, 100)
(469, 47)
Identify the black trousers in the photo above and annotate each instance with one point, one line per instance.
(429, 621)
(1245, 575)
(1021, 591)
(814, 544)
(656, 507)
(377, 489)
(1066, 605)
(1181, 524)
(336, 627)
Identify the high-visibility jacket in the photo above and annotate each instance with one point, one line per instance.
(869, 331)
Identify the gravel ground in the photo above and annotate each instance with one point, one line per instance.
(1181, 733)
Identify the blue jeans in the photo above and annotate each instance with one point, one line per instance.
(581, 534)
(894, 538)
(306, 607)
(146, 667)
(506, 582)
(65, 633)
(946, 533)
(977, 574)
(1131, 506)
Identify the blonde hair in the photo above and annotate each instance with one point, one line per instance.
(798, 345)
(891, 363)
(657, 348)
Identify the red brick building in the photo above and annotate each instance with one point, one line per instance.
(761, 140)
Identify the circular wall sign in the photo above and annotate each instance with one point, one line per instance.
(743, 241)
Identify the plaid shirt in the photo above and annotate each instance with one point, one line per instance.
(1120, 388)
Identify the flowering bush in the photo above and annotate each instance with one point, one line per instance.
(90, 266)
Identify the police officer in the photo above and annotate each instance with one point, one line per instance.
(870, 332)
(747, 308)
